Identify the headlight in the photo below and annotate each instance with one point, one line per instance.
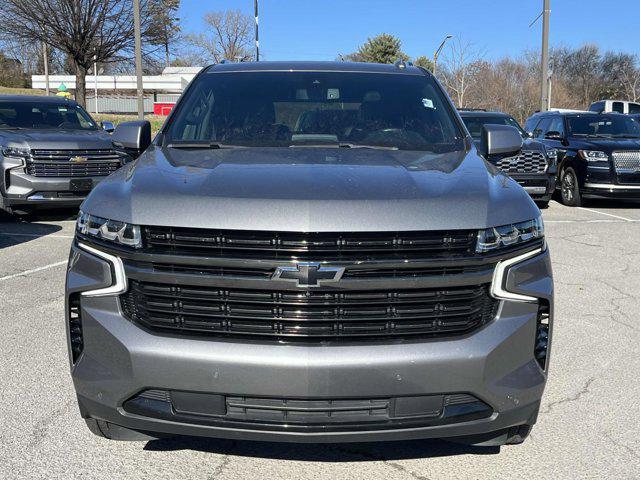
(552, 156)
(16, 152)
(593, 156)
(509, 235)
(121, 233)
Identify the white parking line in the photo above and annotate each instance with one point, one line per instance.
(607, 214)
(591, 221)
(34, 270)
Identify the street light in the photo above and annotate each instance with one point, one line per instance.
(435, 55)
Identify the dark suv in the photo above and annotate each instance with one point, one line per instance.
(534, 168)
(598, 154)
(311, 252)
(52, 153)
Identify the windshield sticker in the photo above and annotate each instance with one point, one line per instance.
(427, 102)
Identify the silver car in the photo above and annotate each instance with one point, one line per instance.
(311, 252)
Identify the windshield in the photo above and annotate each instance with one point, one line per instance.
(608, 126)
(40, 115)
(475, 123)
(275, 109)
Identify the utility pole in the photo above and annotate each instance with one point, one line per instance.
(255, 10)
(138, 46)
(437, 54)
(544, 62)
(95, 80)
(45, 52)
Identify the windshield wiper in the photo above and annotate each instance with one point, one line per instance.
(342, 145)
(202, 145)
(625, 135)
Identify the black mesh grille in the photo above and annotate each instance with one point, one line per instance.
(318, 314)
(319, 246)
(73, 163)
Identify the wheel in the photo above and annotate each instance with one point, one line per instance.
(116, 432)
(542, 205)
(569, 189)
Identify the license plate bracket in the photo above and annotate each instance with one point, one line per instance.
(81, 184)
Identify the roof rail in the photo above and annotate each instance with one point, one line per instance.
(472, 110)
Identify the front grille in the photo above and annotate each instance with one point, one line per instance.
(306, 414)
(308, 314)
(73, 163)
(627, 162)
(529, 161)
(318, 246)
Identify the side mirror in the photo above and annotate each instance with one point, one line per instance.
(132, 137)
(500, 140)
(553, 135)
(107, 126)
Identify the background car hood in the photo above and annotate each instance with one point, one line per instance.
(311, 190)
(57, 139)
(605, 145)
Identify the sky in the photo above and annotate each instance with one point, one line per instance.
(322, 29)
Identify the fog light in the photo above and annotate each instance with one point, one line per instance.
(541, 348)
(75, 328)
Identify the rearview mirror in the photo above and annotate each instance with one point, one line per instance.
(107, 126)
(500, 140)
(553, 135)
(133, 137)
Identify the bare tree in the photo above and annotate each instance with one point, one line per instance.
(623, 74)
(584, 72)
(461, 65)
(83, 30)
(230, 36)
(163, 27)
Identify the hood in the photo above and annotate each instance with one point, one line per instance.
(311, 190)
(56, 139)
(604, 144)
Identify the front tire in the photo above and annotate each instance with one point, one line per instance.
(569, 188)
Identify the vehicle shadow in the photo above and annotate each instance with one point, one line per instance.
(16, 230)
(339, 452)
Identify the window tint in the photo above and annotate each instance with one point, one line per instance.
(617, 107)
(603, 125)
(531, 123)
(32, 115)
(542, 127)
(556, 125)
(634, 108)
(270, 109)
(475, 123)
(597, 107)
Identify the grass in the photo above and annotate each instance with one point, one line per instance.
(21, 91)
(156, 120)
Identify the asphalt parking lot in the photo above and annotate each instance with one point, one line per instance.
(588, 427)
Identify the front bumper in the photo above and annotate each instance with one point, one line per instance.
(540, 187)
(21, 189)
(610, 190)
(495, 364)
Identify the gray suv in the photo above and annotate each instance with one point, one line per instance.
(52, 153)
(311, 252)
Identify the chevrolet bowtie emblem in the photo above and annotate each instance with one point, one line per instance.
(308, 274)
(78, 159)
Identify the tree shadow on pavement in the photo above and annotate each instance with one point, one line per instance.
(339, 452)
(16, 230)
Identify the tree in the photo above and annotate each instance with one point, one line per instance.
(163, 27)
(461, 65)
(11, 73)
(230, 38)
(424, 62)
(383, 48)
(584, 72)
(82, 29)
(623, 75)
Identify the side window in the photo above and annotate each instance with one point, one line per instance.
(634, 108)
(557, 125)
(597, 107)
(542, 127)
(617, 107)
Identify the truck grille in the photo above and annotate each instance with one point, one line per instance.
(308, 314)
(627, 162)
(529, 161)
(73, 163)
(319, 246)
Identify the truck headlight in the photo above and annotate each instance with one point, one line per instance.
(16, 152)
(496, 238)
(120, 233)
(593, 156)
